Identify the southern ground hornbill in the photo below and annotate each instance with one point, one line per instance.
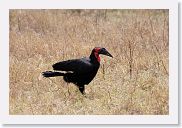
(79, 71)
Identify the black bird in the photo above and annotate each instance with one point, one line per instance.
(79, 71)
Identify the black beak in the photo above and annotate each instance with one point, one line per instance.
(105, 52)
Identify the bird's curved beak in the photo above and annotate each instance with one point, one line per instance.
(105, 52)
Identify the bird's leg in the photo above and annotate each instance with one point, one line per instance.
(82, 89)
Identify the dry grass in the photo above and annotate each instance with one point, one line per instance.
(135, 81)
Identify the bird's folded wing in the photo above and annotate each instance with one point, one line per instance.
(76, 66)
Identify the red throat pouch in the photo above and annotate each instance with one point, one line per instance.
(97, 56)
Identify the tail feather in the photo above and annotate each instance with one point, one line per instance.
(52, 74)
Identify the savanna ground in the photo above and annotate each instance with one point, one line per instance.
(135, 81)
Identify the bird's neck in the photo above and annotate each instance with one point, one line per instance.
(95, 57)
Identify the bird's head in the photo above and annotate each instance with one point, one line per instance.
(104, 52)
(99, 50)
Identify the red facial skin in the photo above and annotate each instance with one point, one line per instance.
(96, 53)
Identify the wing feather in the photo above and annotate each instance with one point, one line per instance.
(76, 65)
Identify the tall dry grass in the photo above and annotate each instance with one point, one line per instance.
(135, 81)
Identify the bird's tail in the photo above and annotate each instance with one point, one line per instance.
(52, 74)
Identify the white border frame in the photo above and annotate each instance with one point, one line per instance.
(172, 118)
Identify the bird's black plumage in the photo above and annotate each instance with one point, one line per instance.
(79, 71)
